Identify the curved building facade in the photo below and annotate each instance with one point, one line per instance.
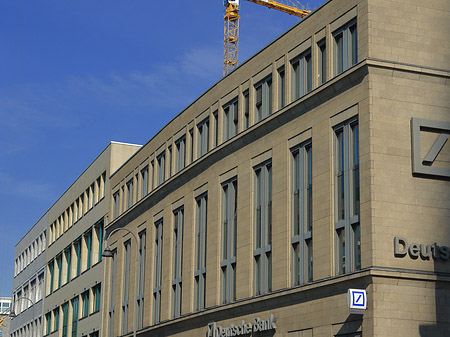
(318, 166)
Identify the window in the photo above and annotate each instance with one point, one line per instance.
(200, 252)
(77, 249)
(161, 168)
(301, 198)
(85, 303)
(112, 293)
(88, 243)
(246, 110)
(262, 252)
(144, 182)
(302, 75)
(169, 166)
(48, 319)
(230, 119)
(191, 139)
(140, 299)
(281, 88)
(177, 261)
(91, 200)
(51, 271)
(345, 47)
(40, 287)
(74, 316)
(55, 319)
(68, 258)
(59, 266)
(130, 193)
(99, 234)
(203, 138)
(116, 197)
(158, 272)
(263, 99)
(126, 281)
(180, 154)
(65, 310)
(322, 65)
(96, 291)
(347, 225)
(216, 128)
(229, 231)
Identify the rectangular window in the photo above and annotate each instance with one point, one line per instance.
(230, 119)
(126, 282)
(347, 223)
(91, 200)
(229, 232)
(262, 252)
(68, 258)
(85, 303)
(51, 270)
(302, 75)
(48, 319)
(180, 154)
(111, 294)
(144, 182)
(96, 291)
(263, 99)
(281, 88)
(158, 272)
(169, 166)
(88, 244)
(99, 234)
(200, 252)
(59, 266)
(191, 138)
(177, 261)
(216, 128)
(322, 64)
(161, 167)
(345, 47)
(116, 197)
(203, 138)
(301, 198)
(56, 319)
(74, 316)
(129, 193)
(141, 280)
(246, 110)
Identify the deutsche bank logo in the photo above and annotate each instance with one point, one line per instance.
(357, 300)
(423, 159)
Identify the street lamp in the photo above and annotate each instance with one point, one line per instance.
(12, 314)
(108, 253)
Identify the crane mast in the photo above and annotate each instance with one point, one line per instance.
(231, 27)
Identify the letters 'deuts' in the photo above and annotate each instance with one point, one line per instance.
(424, 166)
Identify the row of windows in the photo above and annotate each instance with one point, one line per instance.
(32, 289)
(347, 231)
(30, 253)
(93, 194)
(203, 134)
(66, 317)
(32, 329)
(78, 257)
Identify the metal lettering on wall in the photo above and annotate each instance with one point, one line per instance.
(243, 328)
(402, 247)
(425, 166)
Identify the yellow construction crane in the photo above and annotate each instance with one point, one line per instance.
(231, 28)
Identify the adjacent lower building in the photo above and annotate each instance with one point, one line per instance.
(5, 309)
(319, 165)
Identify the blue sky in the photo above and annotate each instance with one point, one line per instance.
(76, 75)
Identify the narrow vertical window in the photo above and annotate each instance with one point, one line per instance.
(228, 249)
(216, 128)
(130, 193)
(48, 320)
(65, 327)
(144, 182)
(96, 291)
(230, 119)
(180, 155)
(177, 261)
(169, 166)
(203, 138)
(75, 317)
(99, 233)
(51, 270)
(281, 88)
(302, 75)
(56, 319)
(200, 252)
(88, 243)
(161, 167)
(68, 258)
(158, 272)
(112, 288)
(301, 199)
(246, 110)
(85, 303)
(262, 250)
(59, 266)
(263, 99)
(345, 47)
(322, 64)
(116, 198)
(347, 222)
(126, 286)
(141, 280)
(191, 138)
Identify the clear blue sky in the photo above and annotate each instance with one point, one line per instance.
(75, 75)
